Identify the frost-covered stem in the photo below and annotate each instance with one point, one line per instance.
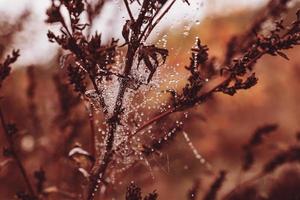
(113, 123)
(16, 156)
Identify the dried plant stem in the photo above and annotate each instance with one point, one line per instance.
(128, 9)
(113, 123)
(95, 60)
(115, 119)
(16, 156)
(152, 26)
(81, 55)
(199, 100)
(149, 24)
(274, 10)
(154, 119)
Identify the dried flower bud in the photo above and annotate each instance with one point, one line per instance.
(5, 66)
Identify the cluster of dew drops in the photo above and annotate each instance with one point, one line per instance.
(139, 104)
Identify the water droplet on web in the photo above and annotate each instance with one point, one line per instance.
(186, 30)
(185, 33)
(140, 100)
(196, 153)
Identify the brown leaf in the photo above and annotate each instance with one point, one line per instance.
(150, 56)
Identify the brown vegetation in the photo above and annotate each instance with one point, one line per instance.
(108, 121)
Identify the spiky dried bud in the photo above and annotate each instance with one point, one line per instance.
(133, 192)
(5, 67)
(76, 78)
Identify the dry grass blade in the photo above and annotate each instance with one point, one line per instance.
(215, 187)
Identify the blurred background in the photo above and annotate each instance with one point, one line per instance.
(32, 97)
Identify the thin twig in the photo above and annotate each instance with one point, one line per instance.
(16, 156)
(158, 20)
(149, 24)
(128, 10)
